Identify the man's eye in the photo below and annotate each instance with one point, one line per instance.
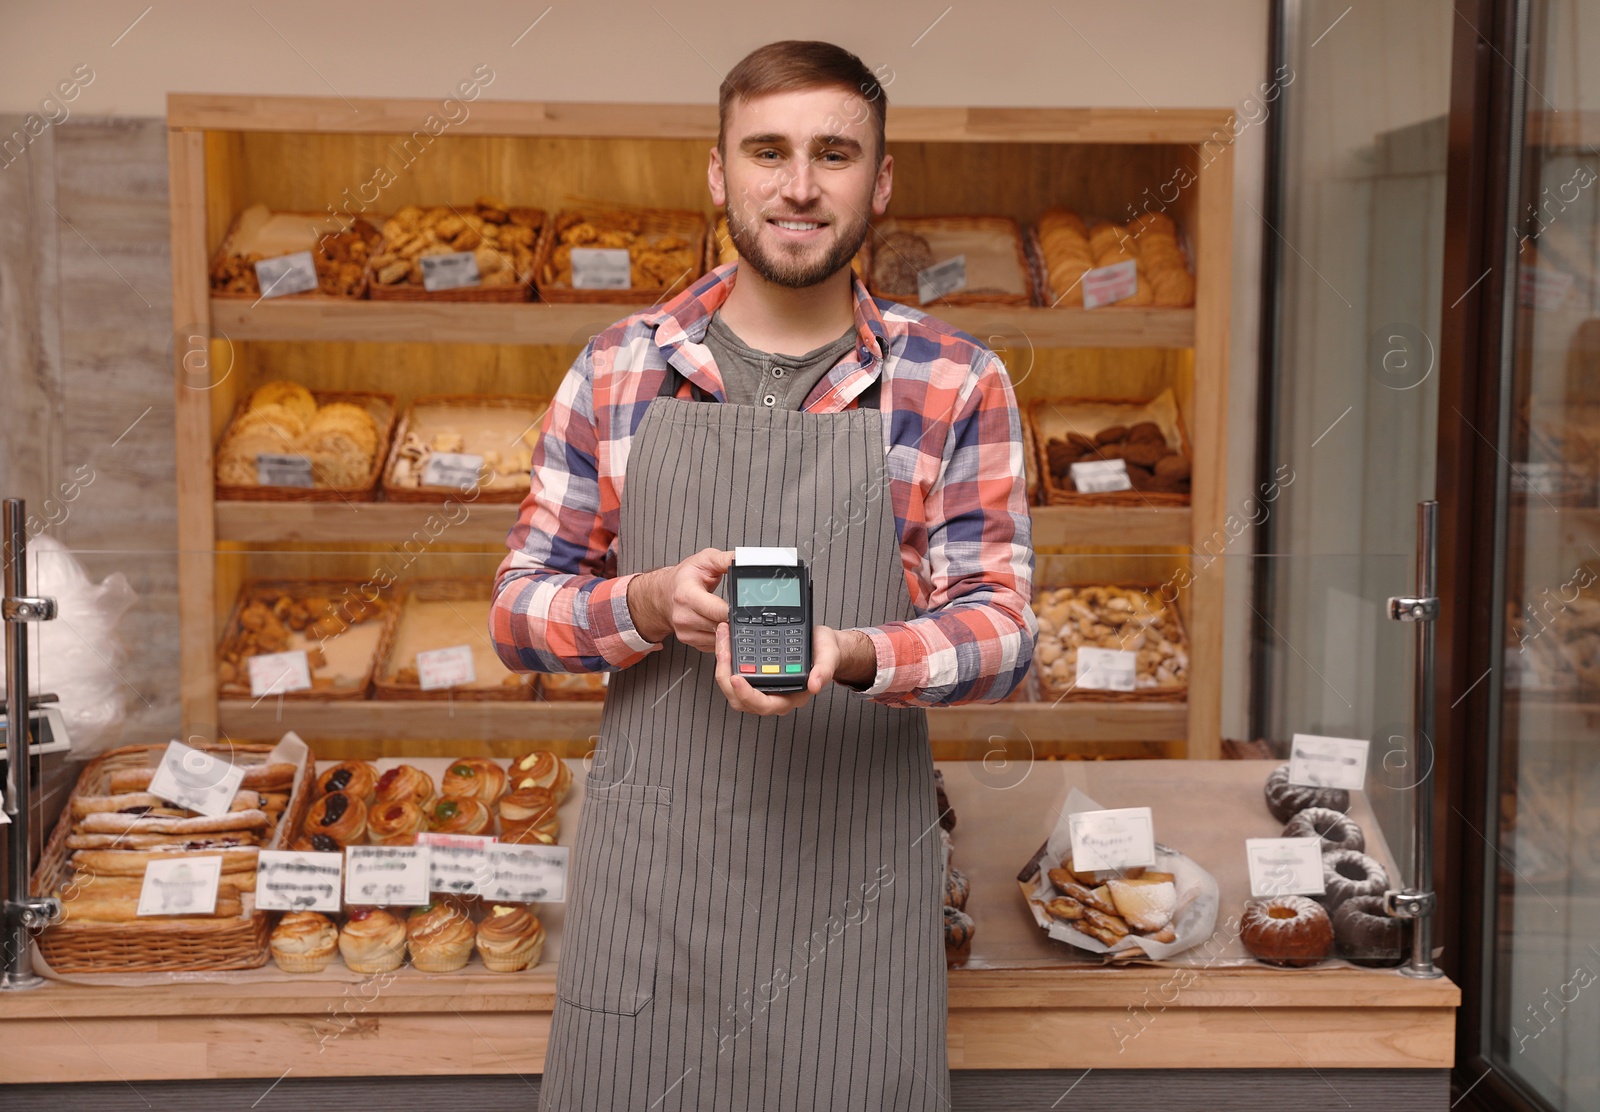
(767, 155)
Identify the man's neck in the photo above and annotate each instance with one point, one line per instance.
(784, 321)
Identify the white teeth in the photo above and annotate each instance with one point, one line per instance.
(797, 225)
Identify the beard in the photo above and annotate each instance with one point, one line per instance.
(789, 268)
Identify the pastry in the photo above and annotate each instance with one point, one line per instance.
(897, 259)
(355, 778)
(657, 258)
(1287, 930)
(458, 816)
(1125, 618)
(372, 941)
(339, 256)
(405, 784)
(1146, 905)
(276, 776)
(396, 824)
(1152, 465)
(501, 238)
(339, 816)
(474, 778)
(510, 939)
(439, 937)
(542, 769)
(272, 621)
(118, 822)
(304, 942)
(1285, 800)
(958, 929)
(126, 862)
(1334, 830)
(340, 439)
(316, 843)
(1347, 873)
(1365, 935)
(956, 890)
(529, 814)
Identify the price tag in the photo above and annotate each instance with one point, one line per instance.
(283, 471)
(601, 268)
(196, 780)
(1106, 669)
(286, 274)
(1284, 866)
(1543, 288)
(458, 470)
(941, 278)
(1328, 762)
(1106, 285)
(1112, 839)
(184, 886)
(528, 874)
(457, 863)
(277, 673)
(1097, 476)
(382, 876)
(291, 881)
(439, 668)
(449, 272)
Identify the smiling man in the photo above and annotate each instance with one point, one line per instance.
(754, 920)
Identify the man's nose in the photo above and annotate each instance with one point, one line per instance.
(800, 184)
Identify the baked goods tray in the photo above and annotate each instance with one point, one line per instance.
(519, 291)
(1052, 692)
(690, 226)
(1193, 920)
(319, 222)
(334, 600)
(520, 412)
(1054, 418)
(151, 945)
(391, 679)
(950, 236)
(382, 409)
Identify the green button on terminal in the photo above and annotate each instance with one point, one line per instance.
(791, 667)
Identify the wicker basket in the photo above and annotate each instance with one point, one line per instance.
(405, 291)
(382, 409)
(1002, 227)
(1049, 297)
(320, 293)
(534, 406)
(1052, 693)
(151, 945)
(437, 590)
(333, 589)
(1047, 422)
(690, 225)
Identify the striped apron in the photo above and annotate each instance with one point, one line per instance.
(754, 917)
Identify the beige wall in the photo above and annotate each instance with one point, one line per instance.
(1069, 53)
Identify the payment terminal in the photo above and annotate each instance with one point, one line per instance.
(769, 618)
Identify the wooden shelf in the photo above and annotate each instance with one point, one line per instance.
(487, 524)
(1006, 723)
(538, 323)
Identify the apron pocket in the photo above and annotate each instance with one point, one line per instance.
(612, 933)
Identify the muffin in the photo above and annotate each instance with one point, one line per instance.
(440, 937)
(510, 939)
(373, 941)
(304, 942)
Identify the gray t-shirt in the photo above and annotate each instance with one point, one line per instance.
(751, 377)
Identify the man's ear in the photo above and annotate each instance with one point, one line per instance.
(715, 180)
(883, 185)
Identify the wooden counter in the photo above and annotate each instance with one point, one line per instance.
(1023, 1003)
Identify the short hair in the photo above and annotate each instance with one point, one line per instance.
(797, 64)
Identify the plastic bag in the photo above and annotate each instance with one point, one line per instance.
(77, 656)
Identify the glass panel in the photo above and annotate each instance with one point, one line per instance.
(1544, 893)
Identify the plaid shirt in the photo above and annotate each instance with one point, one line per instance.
(955, 477)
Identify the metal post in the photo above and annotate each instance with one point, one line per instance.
(23, 913)
(1417, 901)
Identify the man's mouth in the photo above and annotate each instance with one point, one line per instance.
(798, 225)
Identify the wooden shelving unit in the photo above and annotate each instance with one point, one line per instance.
(313, 154)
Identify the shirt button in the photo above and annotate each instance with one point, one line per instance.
(770, 400)
(778, 372)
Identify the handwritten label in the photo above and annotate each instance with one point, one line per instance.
(1328, 762)
(452, 469)
(527, 874)
(283, 471)
(1112, 839)
(457, 863)
(1097, 476)
(449, 272)
(382, 876)
(286, 274)
(601, 268)
(290, 881)
(1106, 285)
(277, 673)
(196, 780)
(441, 668)
(1543, 288)
(185, 886)
(1284, 866)
(935, 281)
(1106, 669)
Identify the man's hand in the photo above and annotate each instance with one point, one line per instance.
(843, 656)
(681, 600)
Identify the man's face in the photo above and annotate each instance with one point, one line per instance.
(800, 182)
